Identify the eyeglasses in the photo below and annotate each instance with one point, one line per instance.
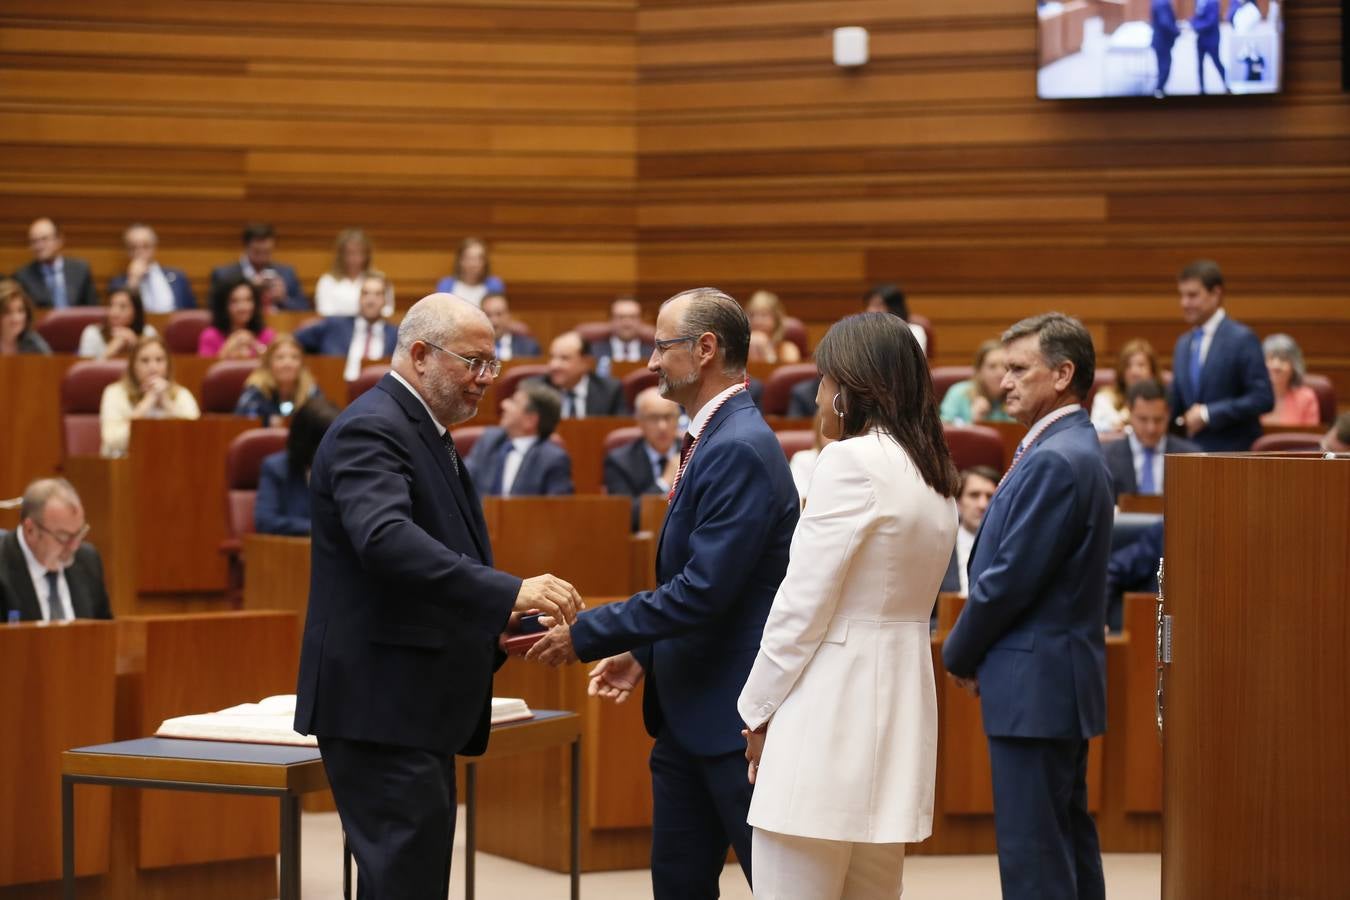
(479, 367)
(65, 540)
(663, 346)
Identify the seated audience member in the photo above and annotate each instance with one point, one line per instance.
(124, 326)
(146, 391)
(978, 484)
(1135, 463)
(584, 394)
(1337, 438)
(279, 386)
(648, 464)
(365, 336)
(52, 279)
(338, 292)
(1295, 402)
(1132, 568)
(767, 327)
(163, 289)
(472, 278)
(803, 462)
(517, 459)
(276, 282)
(508, 344)
(17, 334)
(237, 330)
(979, 399)
(48, 572)
(1137, 363)
(625, 343)
(282, 503)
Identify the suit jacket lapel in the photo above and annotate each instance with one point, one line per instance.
(734, 403)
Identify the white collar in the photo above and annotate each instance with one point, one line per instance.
(36, 570)
(1137, 447)
(1047, 420)
(522, 445)
(700, 421)
(58, 264)
(1212, 323)
(440, 429)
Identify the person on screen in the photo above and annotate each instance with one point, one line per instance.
(1206, 25)
(1165, 31)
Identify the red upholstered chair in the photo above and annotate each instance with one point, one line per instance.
(795, 331)
(1287, 440)
(224, 382)
(466, 437)
(512, 377)
(243, 462)
(778, 387)
(61, 328)
(796, 440)
(185, 328)
(1326, 396)
(974, 445)
(927, 326)
(946, 376)
(600, 331)
(369, 377)
(621, 436)
(1100, 379)
(636, 382)
(81, 393)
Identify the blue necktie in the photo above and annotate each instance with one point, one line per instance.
(1147, 483)
(56, 287)
(1197, 341)
(56, 612)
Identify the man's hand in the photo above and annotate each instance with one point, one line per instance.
(552, 597)
(754, 749)
(615, 678)
(1194, 420)
(555, 648)
(969, 685)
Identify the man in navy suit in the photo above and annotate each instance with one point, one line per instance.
(518, 459)
(1164, 21)
(1220, 385)
(276, 280)
(1136, 460)
(648, 464)
(47, 572)
(163, 289)
(721, 555)
(405, 610)
(1206, 25)
(1030, 638)
(509, 344)
(625, 343)
(53, 279)
(584, 393)
(362, 337)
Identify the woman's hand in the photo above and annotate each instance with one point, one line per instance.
(122, 340)
(240, 344)
(754, 749)
(980, 408)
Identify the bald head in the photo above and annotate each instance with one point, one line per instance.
(437, 336)
(658, 418)
(436, 319)
(568, 360)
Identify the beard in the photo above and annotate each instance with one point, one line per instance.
(446, 398)
(667, 385)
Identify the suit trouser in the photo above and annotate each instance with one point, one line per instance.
(1201, 51)
(1047, 842)
(790, 867)
(1164, 55)
(699, 807)
(397, 806)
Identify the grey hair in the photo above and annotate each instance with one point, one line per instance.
(1282, 346)
(715, 312)
(1062, 339)
(40, 492)
(435, 319)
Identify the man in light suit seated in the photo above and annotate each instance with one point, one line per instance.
(360, 338)
(648, 464)
(275, 281)
(978, 484)
(509, 345)
(47, 572)
(1136, 461)
(517, 459)
(625, 343)
(584, 394)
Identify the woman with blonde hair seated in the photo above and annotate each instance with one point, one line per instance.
(979, 399)
(1295, 402)
(146, 391)
(280, 385)
(1137, 362)
(768, 325)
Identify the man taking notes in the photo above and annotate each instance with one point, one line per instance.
(405, 609)
(1030, 639)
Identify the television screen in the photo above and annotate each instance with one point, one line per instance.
(1159, 48)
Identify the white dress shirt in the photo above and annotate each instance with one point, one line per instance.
(1207, 334)
(1137, 454)
(965, 541)
(514, 457)
(505, 348)
(658, 463)
(335, 296)
(358, 352)
(38, 573)
(156, 295)
(625, 351)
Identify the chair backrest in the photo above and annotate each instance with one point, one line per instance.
(512, 377)
(946, 376)
(81, 394)
(61, 328)
(1326, 396)
(795, 331)
(778, 387)
(621, 436)
(1287, 440)
(636, 382)
(927, 326)
(369, 377)
(974, 445)
(185, 328)
(224, 382)
(796, 440)
(466, 437)
(243, 462)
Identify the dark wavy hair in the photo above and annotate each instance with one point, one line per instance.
(308, 426)
(884, 383)
(220, 306)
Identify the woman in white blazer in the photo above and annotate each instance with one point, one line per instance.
(840, 707)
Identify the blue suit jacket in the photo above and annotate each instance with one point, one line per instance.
(1032, 628)
(333, 336)
(405, 608)
(545, 470)
(1120, 462)
(183, 298)
(1206, 24)
(1164, 21)
(1234, 384)
(721, 555)
(522, 345)
(295, 297)
(282, 504)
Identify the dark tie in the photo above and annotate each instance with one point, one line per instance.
(660, 465)
(450, 449)
(686, 448)
(57, 612)
(574, 406)
(1197, 341)
(1147, 483)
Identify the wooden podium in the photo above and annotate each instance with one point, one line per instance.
(1256, 698)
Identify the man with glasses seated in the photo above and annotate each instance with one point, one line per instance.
(648, 464)
(47, 571)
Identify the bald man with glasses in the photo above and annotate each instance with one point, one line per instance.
(48, 573)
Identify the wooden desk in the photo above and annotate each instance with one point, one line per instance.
(1140, 503)
(585, 439)
(276, 573)
(580, 539)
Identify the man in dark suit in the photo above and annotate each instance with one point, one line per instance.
(49, 574)
(648, 464)
(508, 343)
(163, 289)
(1030, 639)
(721, 555)
(1136, 460)
(1164, 21)
(978, 484)
(276, 281)
(518, 459)
(1206, 25)
(52, 279)
(625, 343)
(1220, 385)
(405, 609)
(584, 394)
(360, 338)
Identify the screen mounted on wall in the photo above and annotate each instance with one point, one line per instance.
(1158, 48)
